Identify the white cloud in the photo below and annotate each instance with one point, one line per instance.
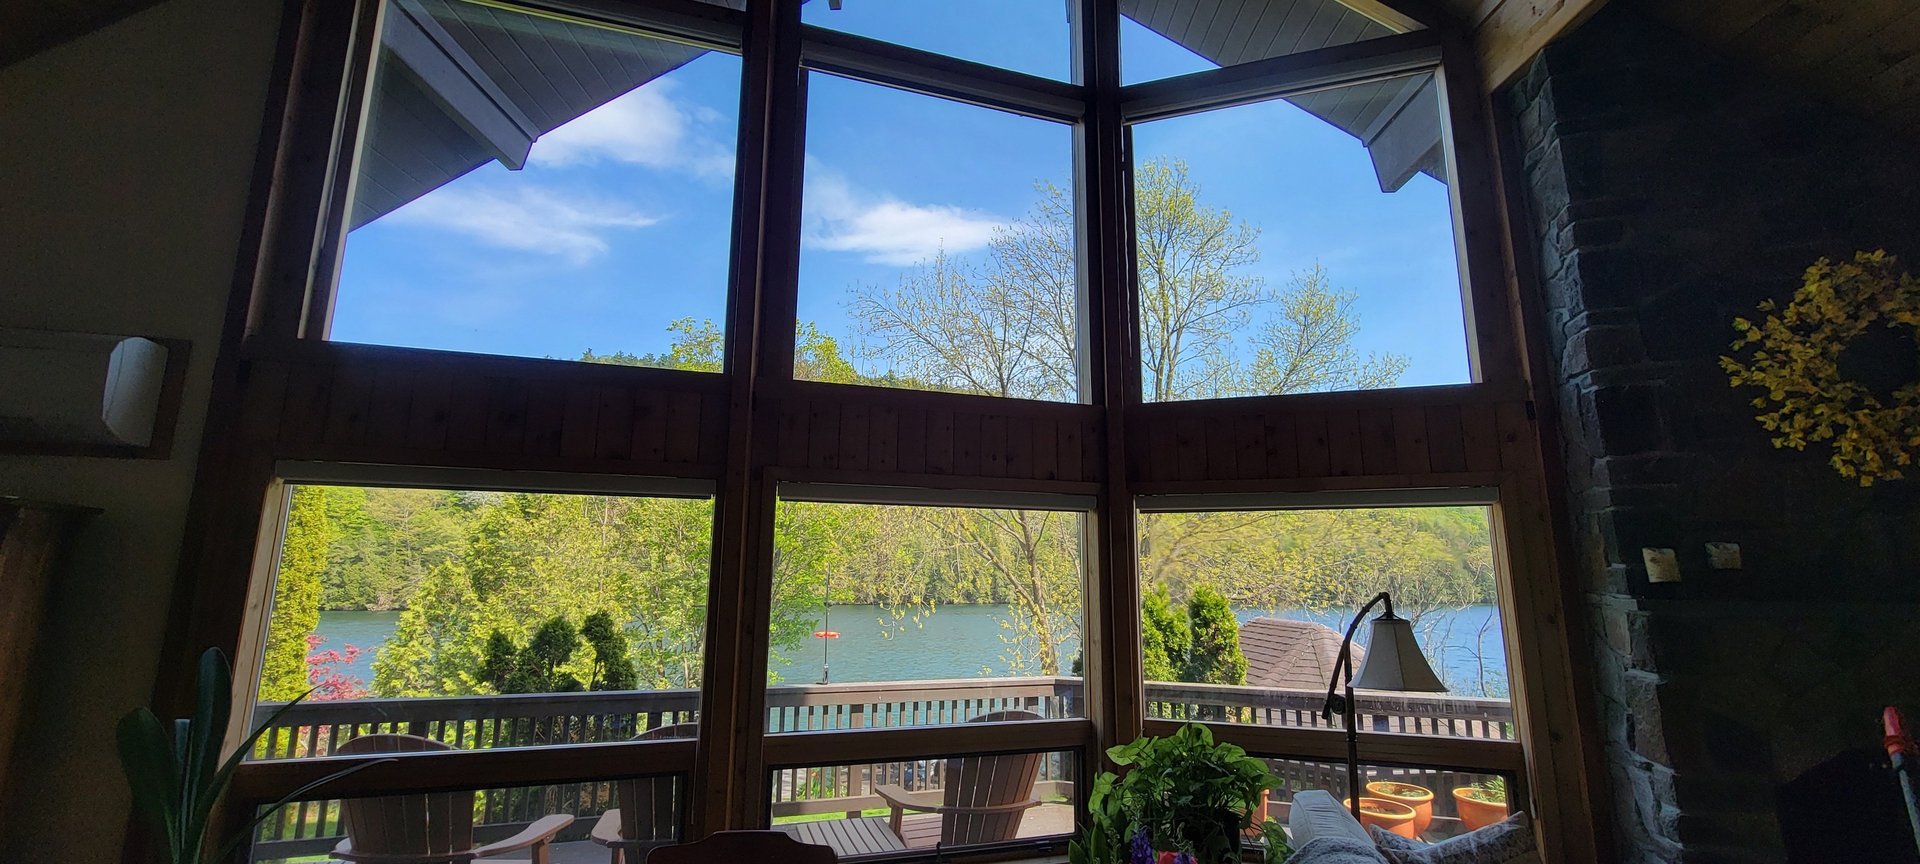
(646, 127)
(527, 218)
(884, 229)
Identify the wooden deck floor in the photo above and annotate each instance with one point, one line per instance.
(850, 839)
(870, 835)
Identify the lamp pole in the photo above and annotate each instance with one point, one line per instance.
(1343, 701)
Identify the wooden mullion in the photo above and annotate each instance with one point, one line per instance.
(728, 781)
(1283, 76)
(1115, 700)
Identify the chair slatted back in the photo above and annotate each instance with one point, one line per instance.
(985, 781)
(744, 847)
(650, 806)
(430, 823)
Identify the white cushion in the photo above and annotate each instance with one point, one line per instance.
(1316, 813)
(1509, 841)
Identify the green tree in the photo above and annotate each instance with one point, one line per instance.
(1215, 657)
(612, 670)
(1165, 637)
(546, 657)
(296, 595)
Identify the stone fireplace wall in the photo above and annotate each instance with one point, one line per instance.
(1671, 190)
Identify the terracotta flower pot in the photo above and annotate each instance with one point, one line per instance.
(1392, 816)
(1420, 798)
(1477, 813)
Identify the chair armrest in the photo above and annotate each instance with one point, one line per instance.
(928, 801)
(541, 831)
(344, 851)
(606, 829)
(899, 798)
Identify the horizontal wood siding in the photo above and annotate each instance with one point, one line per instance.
(382, 406)
(1415, 437)
(881, 436)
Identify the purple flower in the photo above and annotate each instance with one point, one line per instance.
(1141, 851)
(1184, 858)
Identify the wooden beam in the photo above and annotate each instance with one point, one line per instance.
(940, 75)
(1508, 33)
(452, 770)
(810, 749)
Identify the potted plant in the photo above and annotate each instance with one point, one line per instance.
(1482, 803)
(177, 778)
(1420, 798)
(1184, 798)
(1393, 817)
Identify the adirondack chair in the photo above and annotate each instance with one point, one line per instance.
(645, 817)
(744, 847)
(984, 799)
(426, 828)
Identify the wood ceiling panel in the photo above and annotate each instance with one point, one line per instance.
(1863, 55)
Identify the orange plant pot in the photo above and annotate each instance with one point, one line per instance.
(1392, 816)
(1420, 798)
(1475, 813)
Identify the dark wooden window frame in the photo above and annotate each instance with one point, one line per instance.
(284, 395)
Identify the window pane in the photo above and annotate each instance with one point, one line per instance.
(1031, 36)
(938, 247)
(1243, 614)
(960, 612)
(534, 186)
(1397, 795)
(1276, 256)
(485, 619)
(848, 807)
(1163, 38)
(309, 829)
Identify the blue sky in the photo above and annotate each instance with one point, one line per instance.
(620, 222)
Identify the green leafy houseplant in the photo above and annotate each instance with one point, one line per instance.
(177, 778)
(1182, 793)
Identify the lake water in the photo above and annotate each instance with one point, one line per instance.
(965, 642)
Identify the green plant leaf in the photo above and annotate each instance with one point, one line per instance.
(213, 707)
(147, 757)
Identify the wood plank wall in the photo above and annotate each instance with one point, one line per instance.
(1414, 438)
(350, 403)
(871, 434)
(365, 404)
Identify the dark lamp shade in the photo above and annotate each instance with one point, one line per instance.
(1394, 661)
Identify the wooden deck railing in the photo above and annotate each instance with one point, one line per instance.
(485, 722)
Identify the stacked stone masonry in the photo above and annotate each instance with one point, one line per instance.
(1670, 190)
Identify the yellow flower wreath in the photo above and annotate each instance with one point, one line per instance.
(1796, 357)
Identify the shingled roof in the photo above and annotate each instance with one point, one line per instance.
(1294, 655)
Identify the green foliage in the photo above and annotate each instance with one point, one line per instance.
(611, 668)
(177, 777)
(1816, 360)
(1165, 637)
(529, 558)
(1184, 791)
(1215, 657)
(296, 595)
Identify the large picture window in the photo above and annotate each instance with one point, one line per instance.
(507, 564)
(1298, 245)
(484, 619)
(1243, 614)
(909, 615)
(542, 187)
(937, 250)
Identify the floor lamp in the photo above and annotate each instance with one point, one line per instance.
(1393, 662)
